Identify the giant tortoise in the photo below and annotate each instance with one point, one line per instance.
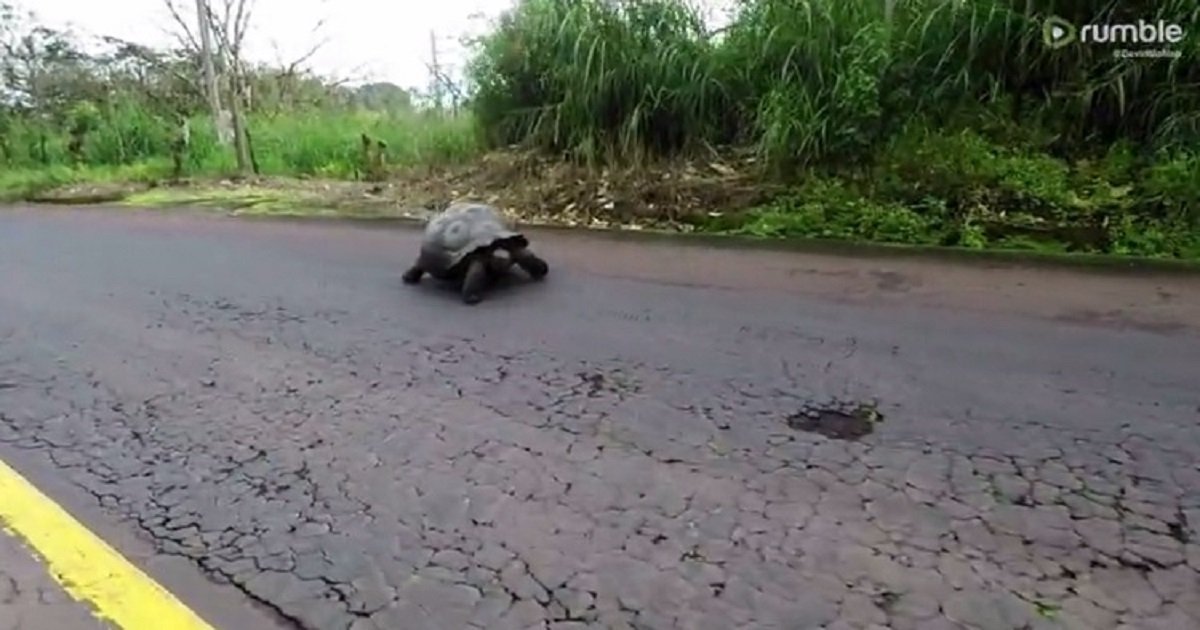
(470, 243)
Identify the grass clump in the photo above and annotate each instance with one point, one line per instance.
(33, 183)
(831, 209)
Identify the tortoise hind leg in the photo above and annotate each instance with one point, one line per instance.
(414, 274)
(531, 263)
(475, 281)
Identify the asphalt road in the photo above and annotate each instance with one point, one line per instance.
(610, 448)
(29, 598)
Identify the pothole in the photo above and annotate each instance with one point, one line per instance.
(837, 422)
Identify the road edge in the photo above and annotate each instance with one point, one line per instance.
(221, 605)
(91, 571)
(1094, 263)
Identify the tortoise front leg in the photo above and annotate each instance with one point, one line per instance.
(475, 280)
(531, 263)
(414, 274)
(499, 265)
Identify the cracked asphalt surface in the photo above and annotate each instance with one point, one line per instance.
(611, 448)
(29, 598)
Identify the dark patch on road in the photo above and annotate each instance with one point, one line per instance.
(891, 281)
(821, 272)
(1119, 319)
(887, 600)
(838, 423)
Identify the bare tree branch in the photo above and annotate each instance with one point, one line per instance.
(312, 51)
(357, 74)
(184, 34)
(228, 15)
(230, 29)
(245, 9)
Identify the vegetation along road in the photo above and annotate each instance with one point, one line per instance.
(213, 422)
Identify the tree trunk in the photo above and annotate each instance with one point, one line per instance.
(210, 74)
(241, 147)
(179, 148)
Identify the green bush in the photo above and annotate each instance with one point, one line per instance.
(1173, 184)
(956, 187)
(830, 209)
(971, 174)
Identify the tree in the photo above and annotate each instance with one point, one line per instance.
(382, 96)
(42, 73)
(221, 62)
(229, 22)
(59, 92)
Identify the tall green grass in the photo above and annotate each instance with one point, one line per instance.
(319, 143)
(812, 80)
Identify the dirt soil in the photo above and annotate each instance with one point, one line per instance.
(531, 189)
(542, 189)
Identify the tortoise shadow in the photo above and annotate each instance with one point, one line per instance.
(499, 289)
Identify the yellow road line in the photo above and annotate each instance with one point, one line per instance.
(86, 566)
